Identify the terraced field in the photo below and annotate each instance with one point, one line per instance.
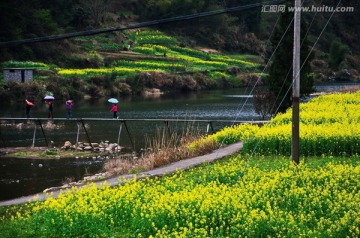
(155, 51)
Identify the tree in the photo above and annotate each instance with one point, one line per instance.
(263, 102)
(96, 10)
(280, 71)
(251, 18)
(22, 20)
(337, 54)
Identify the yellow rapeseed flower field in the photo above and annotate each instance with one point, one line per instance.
(329, 125)
(237, 198)
(243, 196)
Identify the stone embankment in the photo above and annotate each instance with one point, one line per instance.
(106, 147)
(68, 150)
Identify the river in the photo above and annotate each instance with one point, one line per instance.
(20, 177)
(213, 105)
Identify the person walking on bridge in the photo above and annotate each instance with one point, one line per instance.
(69, 106)
(28, 106)
(114, 109)
(50, 108)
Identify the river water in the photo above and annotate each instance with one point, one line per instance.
(20, 177)
(214, 105)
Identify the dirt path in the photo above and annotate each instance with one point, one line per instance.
(161, 171)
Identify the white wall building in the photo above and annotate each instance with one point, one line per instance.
(18, 75)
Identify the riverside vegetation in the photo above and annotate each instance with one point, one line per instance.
(154, 60)
(256, 193)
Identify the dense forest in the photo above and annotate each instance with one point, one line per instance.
(31, 19)
(336, 55)
(243, 31)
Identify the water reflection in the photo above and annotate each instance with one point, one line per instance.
(214, 105)
(24, 176)
(19, 177)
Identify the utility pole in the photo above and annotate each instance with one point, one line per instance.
(295, 141)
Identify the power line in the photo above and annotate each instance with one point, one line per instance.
(288, 73)
(266, 66)
(138, 25)
(258, 80)
(317, 39)
(307, 57)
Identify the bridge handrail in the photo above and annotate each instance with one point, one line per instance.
(131, 119)
(123, 121)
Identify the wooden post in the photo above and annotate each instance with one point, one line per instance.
(2, 139)
(87, 135)
(167, 128)
(120, 129)
(295, 141)
(209, 125)
(78, 132)
(42, 130)
(33, 143)
(127, 130)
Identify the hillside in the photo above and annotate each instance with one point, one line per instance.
(227, 50)
(144, 61)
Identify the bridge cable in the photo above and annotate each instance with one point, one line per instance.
(312, 48)
(258, 80)
(288, 73)
(254, 149)
(138, 25)
(304, 63)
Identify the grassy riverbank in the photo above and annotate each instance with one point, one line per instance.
(42, 153)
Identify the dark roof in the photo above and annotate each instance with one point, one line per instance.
(18, 68)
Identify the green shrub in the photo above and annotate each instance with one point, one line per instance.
(23, 64)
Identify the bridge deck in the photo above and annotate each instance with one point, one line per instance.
(131, 119)
(123, 121)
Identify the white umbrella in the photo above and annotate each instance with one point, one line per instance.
(48, 97)
(113, 100)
